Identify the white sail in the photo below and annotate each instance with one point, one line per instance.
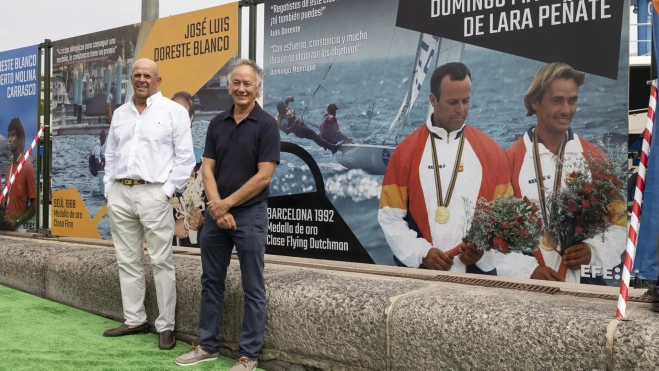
(449, 51)
(428, 45)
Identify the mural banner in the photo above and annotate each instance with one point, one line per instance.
(19, 110)
(413, 143)
(92, 77)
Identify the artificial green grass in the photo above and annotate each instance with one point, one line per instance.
(38, 334)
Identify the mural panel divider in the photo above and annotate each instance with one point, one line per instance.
(46, 156)
(40, 188)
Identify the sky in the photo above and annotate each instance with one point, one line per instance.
(30, 22)
(61, 19)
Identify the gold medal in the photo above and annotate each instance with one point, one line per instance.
(442, 215)
(547, 242)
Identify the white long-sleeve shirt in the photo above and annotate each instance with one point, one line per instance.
(155, 146)
(605, 254)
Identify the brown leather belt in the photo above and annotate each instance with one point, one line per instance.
(131, 182)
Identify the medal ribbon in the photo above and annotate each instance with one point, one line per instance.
(538, 174)
(454, 176)
(541, 191)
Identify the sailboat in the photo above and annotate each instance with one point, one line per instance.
(373, 158)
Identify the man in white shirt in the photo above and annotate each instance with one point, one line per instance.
(148, 157)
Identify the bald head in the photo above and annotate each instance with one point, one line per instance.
(146, 63)
(145, 77)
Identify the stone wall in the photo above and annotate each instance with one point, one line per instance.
(334, 319)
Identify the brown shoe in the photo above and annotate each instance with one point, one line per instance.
(167, 340)
(125, 330)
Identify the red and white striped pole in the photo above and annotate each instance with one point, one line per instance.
(632, 236)
(20, 166)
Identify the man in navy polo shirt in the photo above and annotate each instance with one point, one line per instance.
(239, 160)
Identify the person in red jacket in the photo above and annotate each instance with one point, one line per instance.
(290, 123)
(329, 128)
(430, 176)
(534, 161)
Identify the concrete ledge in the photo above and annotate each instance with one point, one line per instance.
(87, 280)
(341, 320)
(483, 328)
(23, 262)
(332, 318)
(635, 295)
(636, 341)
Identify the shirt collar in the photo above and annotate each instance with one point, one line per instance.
(254, 115)
(441, 133)
(149, 101)
(570, 133)
(571, 145)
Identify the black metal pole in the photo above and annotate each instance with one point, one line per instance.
(39, 222)
(240, 29)
(252, 25)
(48, 45)
(252, 30)
(150, 10)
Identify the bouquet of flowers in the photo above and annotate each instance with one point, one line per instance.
(185, 204)
(192, 197)
(506, 224)
(586, 206)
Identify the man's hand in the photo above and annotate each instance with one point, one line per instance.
(196, 219)
(469, 253)
(577, 255)
(290, 98)
(546, 274)
(218, 208)
(436, 259)
(226, 222)
(179, 229)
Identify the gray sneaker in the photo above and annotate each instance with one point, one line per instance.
(195, 355)
(244, 364)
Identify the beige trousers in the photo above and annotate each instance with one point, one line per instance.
(136, 212)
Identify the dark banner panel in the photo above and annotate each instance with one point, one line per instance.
(582, 33)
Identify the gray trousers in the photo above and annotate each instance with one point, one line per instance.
(137, 212)
(216, 245)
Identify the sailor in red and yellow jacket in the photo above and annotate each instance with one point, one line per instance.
(422, 216)
(553, 98)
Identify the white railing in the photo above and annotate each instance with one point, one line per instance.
(641, 41)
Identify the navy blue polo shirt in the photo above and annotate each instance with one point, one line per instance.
(238, 148)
